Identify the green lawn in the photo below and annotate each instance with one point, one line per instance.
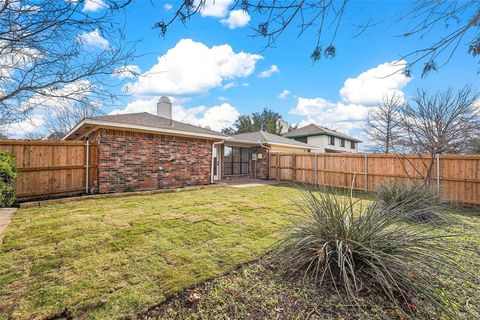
(262, 290)
(117, 257)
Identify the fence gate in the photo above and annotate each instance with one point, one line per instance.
(53, 168)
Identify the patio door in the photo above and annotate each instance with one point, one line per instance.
(217, 175)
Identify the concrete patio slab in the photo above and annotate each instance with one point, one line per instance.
(248, 182)
(6, 215)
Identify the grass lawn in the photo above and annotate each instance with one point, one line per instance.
(113, 258)
(261, 290)
(116, 257)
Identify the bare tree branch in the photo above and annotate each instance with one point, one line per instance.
(48, 46)
(384, 124)
(444, 122)
(450, 22)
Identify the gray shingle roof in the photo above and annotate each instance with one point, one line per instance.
(313, 130)
(150, 120)
(267, 138)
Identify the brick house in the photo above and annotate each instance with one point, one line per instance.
(142, 151)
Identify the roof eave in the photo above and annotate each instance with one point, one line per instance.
(323, 134)
(290, 145)
(111, 124)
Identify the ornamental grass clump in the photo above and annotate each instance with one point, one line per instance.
(413, 202)
(360, 248)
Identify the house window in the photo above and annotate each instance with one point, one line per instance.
(342, 143)
(235, 160)
(301, 139)
(352, 144)
(331, 140)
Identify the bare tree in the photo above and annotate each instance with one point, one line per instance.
(444, 122)
(384, 123)
(66, 115)
(451, 22)
(54, 49)
(475, 146)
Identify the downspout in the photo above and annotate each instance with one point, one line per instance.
(213, 164)
(87, 165)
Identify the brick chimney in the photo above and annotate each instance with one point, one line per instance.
(164, 108)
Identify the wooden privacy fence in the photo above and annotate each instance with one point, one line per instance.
(52, 168)
(455, 177)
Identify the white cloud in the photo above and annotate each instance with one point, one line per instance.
(236, 19)
(339, 115)
(267, 73)
(215, 8)
(15, 58)
(371, 86)
(93, 5)
(358, 96)
(167, 6)
(229, 85)
(130, 71)
(46, 104)
(193, 68)
(476, 105)
(31, 8)
(216, 117)
(93, 39)
(284, 94)
(21, 129)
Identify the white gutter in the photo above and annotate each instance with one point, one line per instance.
(213, 164)
(266, 147)
(292, 145)
(111, 124)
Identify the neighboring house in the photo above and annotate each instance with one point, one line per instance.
(326, 140)
(142, 151)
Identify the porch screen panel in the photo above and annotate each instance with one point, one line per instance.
(236, 160)
(244, 160)
(227, 158)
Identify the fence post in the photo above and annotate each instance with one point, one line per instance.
(87, 165)
(366, 173)
(437, 156)
(294, 159)
(278, 167)
(316, 169)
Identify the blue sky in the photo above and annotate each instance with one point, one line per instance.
(212, 72)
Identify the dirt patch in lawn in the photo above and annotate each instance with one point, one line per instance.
(260, 291)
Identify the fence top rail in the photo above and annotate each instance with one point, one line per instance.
(42, 143)
(380, 155)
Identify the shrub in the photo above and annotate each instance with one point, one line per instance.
(413, 202)
(8, 174)
(358, 248)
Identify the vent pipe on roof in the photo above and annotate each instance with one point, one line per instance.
(164, 108)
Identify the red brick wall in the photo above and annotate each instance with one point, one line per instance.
(261, 164)
(139, 161)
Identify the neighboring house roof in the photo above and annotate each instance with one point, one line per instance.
(316, 130)
(143, 121)
(268, 138)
